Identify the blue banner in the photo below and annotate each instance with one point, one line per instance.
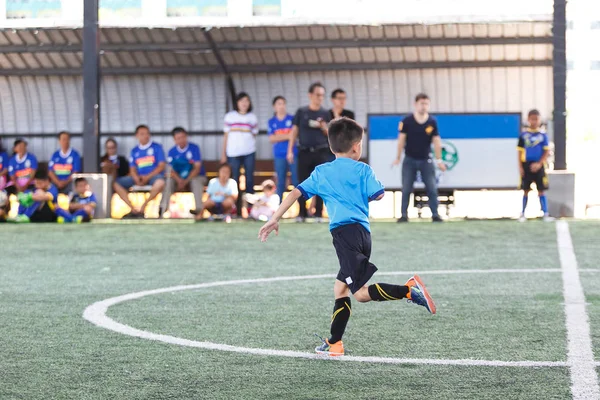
(453, 126)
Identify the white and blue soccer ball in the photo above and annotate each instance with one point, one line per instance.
(3, 198)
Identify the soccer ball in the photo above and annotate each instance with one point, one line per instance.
(3, 198)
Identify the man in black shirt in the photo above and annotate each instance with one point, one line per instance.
(338, 99)
(309, 127)
(416, 133)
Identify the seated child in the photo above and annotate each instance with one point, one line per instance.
(222, 193)
(266, 205)
(82, 206)
(40, 203)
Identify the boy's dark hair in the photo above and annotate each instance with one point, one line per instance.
(240, 96)
(421, 96)
(225, 165)
(533, 112)
(41, 174)
(343, 134)
(80, 179)
(336, 92)
(141, 126)
(278, 98)
(63, 133)
(178, 129)
(313, 86)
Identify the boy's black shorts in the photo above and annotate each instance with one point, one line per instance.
(44, 214)
(539, 178)
(353, 247)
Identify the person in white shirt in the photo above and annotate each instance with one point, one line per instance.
(239, 140)
(222, 193)
(265, 205)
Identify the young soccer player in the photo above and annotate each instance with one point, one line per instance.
(82, 205)
(40, 203)
(347, 186)
(532, 151)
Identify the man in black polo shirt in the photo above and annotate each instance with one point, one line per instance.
(416, 133)
(338, 99)
(309, 127)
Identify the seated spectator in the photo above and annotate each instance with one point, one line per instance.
(112, 163)
(265, 205)
(63, 164)
(222, 193)
(4, 205)
(82, 205)
(40, 203)
(4, 178)
(146, 164)
(186, 169)
(22, 167)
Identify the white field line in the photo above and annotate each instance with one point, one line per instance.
(96, 314)
(580, 357)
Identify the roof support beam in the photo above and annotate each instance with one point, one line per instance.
(559, 69)
(283, 44)
(228, 79)
(282, 68)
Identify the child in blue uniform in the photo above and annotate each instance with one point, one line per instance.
(347, 186)
(532, 151)
(40, 203)
(82, 205)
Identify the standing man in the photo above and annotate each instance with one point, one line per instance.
(279, 130)
(309, 127)
(147, 165)
(532, 152)
(185, 160)
(64, 163)
(416, 133)
(338, 99)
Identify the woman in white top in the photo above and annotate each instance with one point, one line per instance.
(239, 141)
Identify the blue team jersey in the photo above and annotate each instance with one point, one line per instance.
(532, 145)
(347, 187)
(22, 169)
(182, 160)
(146, 158)
(3, 161)
(86, 198)
(64, 165)
(281, 127)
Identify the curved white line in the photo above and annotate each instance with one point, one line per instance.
(96, 314)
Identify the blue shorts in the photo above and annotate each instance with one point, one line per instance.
(127, 181)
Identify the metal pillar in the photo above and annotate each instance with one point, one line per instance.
(91, 87)
(559, 70)
(228, 79)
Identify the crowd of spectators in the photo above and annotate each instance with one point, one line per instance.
(299, 145)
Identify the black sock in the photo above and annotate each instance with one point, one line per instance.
(385, 292)
(341, 314)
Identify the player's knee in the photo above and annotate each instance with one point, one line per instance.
(362, 295)
(159, 184)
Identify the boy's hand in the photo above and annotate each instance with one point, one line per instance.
(272, 225)
(521, 170)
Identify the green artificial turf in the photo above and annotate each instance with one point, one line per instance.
(50, 274)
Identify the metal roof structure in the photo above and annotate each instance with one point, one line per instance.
(137, 51)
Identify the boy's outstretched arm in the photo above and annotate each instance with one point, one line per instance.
(273, 224)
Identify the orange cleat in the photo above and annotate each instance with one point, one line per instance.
(332, 350)
(418, 294)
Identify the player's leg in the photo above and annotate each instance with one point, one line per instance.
(249, 162)
(121, 187)
(541, 182)
(409, 174)
(281, 168)
(63, 216)
(197, 185)
(342, 310)
(428, 174)
(304, 171)
(158, 184)
(166, 195)
(526, 182)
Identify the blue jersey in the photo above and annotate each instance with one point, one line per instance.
(146, 158)
(182, 160)
(3, 161)
(281, 127)
(64, 165)
(23, 169)
(86, 198)
(52, 203)
(532, 145)
(347, 187)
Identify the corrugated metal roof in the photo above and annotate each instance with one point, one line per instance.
(254, 49)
